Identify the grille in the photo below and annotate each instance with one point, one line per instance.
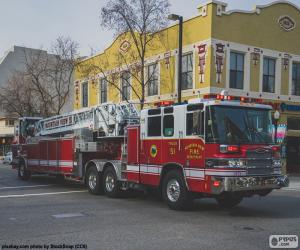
(259, 153)
(259, 171)
(259, 163)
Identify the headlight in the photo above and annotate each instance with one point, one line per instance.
(276, 163)
(238, 163)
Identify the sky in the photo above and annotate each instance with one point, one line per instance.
(37, 23)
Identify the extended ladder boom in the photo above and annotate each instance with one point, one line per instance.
(108, 119)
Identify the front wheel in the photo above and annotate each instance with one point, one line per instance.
(228, 200)
(111, 186)
(174, 191)
(93, 181)
(23, 173)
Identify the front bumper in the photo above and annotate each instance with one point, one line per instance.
(249, 183)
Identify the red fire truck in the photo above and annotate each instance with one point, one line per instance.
(214, 147)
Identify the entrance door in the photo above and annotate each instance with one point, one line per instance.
(293, 155)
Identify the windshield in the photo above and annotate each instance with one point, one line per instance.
(236, 125)
(28, 127)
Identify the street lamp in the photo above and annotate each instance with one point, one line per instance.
(174, 17)
(276, 119)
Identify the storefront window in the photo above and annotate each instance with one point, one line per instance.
(293, 123)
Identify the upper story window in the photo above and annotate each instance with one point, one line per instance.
(125, 88)
(296, 79)
(236, 70)
(269, 75)
(9, 123)
(84, 95)
(187, 71)
(153, 76)
(103, 90)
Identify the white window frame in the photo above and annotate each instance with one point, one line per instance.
(186, 50)
(273, 55)
(121, 87)
(99, 90)
(81, 94)
(294, 60)
(242, 49)
(244, 64)
(147, 78)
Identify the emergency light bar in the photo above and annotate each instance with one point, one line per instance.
(232, 98)
(163, 103)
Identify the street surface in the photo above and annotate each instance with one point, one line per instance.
(42, 211)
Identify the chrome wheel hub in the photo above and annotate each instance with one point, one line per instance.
(173, 190)
(110, 182)
(92, 181)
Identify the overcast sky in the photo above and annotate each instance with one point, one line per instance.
(37, 23)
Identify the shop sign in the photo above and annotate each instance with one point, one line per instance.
(285, 107)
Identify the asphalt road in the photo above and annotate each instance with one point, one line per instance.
(44, 212)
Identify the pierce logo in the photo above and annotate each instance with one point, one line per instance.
(283, 241)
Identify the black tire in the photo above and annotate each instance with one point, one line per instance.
(93, 181)
(228, 200)
(23, 173)
(172, 183)
(60, 178)
(111, 185)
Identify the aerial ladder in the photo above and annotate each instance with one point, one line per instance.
(107, 120)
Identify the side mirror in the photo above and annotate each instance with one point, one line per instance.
(198, 123)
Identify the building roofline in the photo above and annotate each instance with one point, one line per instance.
(212, 1)
(278, 2)
(6, 54)
(115, 39)
(257, 8)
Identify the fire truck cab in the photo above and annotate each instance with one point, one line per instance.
(222, 149)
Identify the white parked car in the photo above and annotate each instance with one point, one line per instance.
(7, 158)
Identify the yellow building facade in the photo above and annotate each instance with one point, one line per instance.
(252, 54)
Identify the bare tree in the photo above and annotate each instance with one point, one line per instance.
(43, 87)
(139, 21)
(17, 97)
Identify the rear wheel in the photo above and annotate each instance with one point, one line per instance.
(60, 178)
(229, 200)
(23, 173)
(111, 185)
(93, 181)
(174, 191)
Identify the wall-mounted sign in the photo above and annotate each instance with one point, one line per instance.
(202, 58)
(285, 107)
(287, 23)
(281, 132)
(220, 53)
(125, 46)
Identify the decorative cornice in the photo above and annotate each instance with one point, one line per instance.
(212, 1)
(257, 9)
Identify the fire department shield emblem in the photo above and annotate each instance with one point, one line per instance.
(153, 151)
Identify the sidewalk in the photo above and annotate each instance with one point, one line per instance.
(294, 183)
